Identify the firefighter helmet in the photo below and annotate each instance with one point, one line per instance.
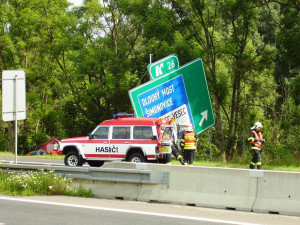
(257, 125)
(189, 128)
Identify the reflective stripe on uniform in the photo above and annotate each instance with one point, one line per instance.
(189, 140)
(251, 139)
(255, 164)
(254, 143)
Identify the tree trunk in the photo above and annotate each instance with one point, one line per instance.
(220, 128)
(236, 114)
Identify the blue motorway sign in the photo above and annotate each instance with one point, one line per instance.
(164, 98)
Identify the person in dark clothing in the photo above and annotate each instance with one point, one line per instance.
(189, 144)
(174, 147)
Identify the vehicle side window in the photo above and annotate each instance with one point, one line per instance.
(121, 133)
(101, 133)
(142, 133)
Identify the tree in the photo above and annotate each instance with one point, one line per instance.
(199, 22)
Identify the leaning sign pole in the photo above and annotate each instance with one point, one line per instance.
(14, 99)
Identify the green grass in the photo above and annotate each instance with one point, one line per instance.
(8, 154)
(293, 168)
(39, 183)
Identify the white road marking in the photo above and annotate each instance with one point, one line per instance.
(125, 211)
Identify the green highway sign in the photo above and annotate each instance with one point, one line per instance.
(182, 94)
(163, 66)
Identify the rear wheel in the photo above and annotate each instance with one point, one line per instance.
(136, 157)
(94, 163)
(168, 158)
(73, 159)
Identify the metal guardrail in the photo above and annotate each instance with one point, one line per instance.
(91, 173)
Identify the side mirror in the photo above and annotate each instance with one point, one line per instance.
(91, 136)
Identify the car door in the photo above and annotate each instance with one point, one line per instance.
(97, 145)
(119, 142)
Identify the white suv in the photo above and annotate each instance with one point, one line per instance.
(130, 139)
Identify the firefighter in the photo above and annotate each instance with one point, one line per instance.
(256, 140)
(174, 148)
(189, 144)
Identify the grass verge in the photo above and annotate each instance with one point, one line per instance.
(39, 183)
(244, 165)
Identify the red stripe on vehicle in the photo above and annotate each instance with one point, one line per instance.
(117, 156)
(105, 156)
(144, 142)
(74, 141)
(97, 155)
(150, 156)
(119, 141)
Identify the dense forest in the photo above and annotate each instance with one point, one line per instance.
(80, 63)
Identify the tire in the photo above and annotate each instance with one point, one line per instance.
(167, 158)
(73, 159)
(136, 157)
(94, 163)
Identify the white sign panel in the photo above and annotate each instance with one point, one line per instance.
(13, 95)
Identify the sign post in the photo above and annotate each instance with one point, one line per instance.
(14, 99)
(182, 94)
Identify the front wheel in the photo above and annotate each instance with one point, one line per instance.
(73, 159)
(94, 163)
(136, 157)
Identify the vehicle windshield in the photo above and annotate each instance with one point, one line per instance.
(167, 133)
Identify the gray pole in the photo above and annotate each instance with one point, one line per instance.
(16, 121)
(150, 58)
(210, 152)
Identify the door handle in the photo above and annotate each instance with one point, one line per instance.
(126, 142)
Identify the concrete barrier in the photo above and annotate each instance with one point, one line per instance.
(201, 186)
(279, 193)
(235, 189)
(110, 189)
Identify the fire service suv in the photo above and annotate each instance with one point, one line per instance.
(121, 138)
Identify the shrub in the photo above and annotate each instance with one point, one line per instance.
(38, 183)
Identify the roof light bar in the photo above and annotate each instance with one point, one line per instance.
(122, 115)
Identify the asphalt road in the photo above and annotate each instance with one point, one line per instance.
(50, 210)
(16, 212)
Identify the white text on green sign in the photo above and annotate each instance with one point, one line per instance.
(163, 66)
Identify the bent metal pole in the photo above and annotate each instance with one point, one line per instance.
(16, 122)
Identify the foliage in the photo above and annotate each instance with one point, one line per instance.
(38, 183)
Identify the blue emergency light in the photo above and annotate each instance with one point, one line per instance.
(122, 115)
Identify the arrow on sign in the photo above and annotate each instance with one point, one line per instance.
(204, 117)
